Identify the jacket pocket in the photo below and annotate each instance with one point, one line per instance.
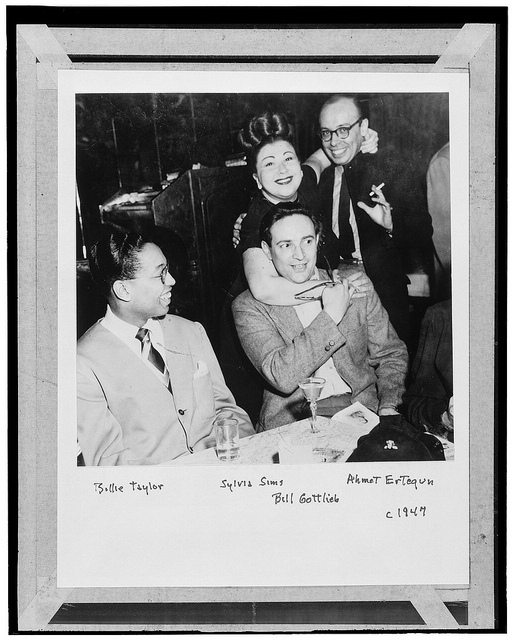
(203, 394)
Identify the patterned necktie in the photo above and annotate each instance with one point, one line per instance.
(346, 237)
(151, 354)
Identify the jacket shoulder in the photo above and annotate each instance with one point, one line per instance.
(177, 324)
(94, 336)
(244, 299)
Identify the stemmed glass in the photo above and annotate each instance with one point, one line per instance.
(312, 388)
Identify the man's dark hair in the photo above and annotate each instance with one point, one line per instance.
(283, 210)
(115, 256)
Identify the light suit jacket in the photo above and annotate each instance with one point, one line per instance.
(127, 416)
(366, 351)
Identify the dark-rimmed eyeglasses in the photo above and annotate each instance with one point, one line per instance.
(162, 275)
(342, 132)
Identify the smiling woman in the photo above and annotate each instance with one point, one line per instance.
(279, 176)
(278, 173)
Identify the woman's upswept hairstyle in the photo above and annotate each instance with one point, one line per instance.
(262, 130)
(115, 256)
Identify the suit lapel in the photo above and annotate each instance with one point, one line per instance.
(181, 372)
(287, 320)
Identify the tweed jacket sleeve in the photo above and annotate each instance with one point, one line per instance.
(277, 345)
(365, 348)
(387, 354)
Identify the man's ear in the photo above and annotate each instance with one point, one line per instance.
(266, 250)
(364, 126)
(255, 176)
(121, 290)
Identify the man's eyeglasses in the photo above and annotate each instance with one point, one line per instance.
(341, 132)
(162, 275)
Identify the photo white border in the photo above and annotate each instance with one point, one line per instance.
(203, 526)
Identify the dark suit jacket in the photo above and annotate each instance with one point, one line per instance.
(432, 372)
(382, 254)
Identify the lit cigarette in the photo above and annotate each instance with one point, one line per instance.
(372, 193)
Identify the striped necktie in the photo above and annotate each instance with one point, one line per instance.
(150, 353)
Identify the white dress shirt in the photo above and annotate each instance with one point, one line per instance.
(334, 383)
(127, 332)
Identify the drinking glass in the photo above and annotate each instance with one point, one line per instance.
(312, 388)
(227, 439)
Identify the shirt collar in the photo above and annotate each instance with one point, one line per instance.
(124, 329)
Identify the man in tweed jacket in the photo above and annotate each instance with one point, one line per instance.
(349, 340)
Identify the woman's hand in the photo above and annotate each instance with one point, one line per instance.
(236, 229)
(381, 213)
(360, 283)
(336, 299)
(370, 142)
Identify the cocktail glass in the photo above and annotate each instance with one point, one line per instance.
(312, 388)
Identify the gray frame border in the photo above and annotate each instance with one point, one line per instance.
(41, 51)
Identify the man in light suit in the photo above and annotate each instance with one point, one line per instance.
(149, 385)
(347, 340)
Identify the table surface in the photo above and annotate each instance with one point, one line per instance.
(338, 438)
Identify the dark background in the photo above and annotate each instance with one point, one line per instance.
(128, 144)
(131, 141)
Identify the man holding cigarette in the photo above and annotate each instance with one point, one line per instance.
(369, 233)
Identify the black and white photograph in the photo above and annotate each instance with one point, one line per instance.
(250, 327)
(213, 184)
(254, 391)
